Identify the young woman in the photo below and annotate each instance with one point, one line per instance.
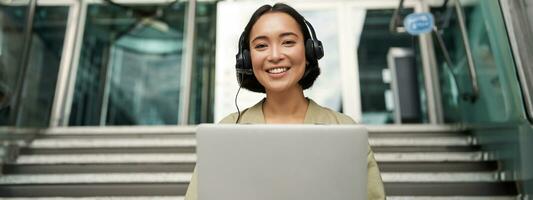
(278, 55)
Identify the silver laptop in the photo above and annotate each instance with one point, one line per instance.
(282, 162)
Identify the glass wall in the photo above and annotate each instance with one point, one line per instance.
(497, 100)
(12, 22)
(202, 86)
(130, 65)
(497, 115)
(40, 79)
(374, 73)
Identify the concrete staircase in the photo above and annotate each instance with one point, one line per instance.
(417, 162)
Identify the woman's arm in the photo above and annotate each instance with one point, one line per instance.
(192, 190)
(375, 189)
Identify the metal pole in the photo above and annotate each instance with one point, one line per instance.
(74, 64)
(431, 74)
(65, 66)
(394, 21)
(188, 59)
(471, 65)
(24, 61)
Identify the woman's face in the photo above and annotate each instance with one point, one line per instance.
(277, 51)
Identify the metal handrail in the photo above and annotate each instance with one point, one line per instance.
(471, 65)
(15, 115)
(394, 21)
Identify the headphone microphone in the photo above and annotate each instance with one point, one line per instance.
(245, 71)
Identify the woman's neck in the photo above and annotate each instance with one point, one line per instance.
(288, 107)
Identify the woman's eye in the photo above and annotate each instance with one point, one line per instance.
(289, 42)
(260, 46)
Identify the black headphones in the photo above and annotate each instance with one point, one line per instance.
(313, 52)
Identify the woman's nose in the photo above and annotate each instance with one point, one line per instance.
(275, 54)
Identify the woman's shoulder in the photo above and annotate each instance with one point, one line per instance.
(229, 119)
(328, 116)
(252, 115)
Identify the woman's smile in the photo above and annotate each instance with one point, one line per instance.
(278, 72)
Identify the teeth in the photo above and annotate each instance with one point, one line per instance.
(278, 70)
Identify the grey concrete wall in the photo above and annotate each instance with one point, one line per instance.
(529, 7)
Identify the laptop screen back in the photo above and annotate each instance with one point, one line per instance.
(282, 162)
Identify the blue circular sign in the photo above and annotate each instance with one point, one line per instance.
(419, 23)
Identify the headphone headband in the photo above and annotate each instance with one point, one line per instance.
(311, 30)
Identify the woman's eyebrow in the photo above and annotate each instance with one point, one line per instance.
(288, 34)
(260, 37)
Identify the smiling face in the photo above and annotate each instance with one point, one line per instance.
(277, 52)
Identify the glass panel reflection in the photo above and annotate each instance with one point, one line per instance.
(203, 80)
(12, 22)
(375, 76)
(45, 56)
(487, 39)
(130, 66)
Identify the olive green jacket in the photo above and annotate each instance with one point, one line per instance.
(316, 114)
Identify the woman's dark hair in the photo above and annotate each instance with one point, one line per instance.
(249, 81)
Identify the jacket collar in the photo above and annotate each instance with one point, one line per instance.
(254, 114)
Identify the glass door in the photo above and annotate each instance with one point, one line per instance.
(378, 48)
(498, 96)
(39, 82)
(130, 65)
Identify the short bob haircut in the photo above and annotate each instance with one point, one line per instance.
(249, 81)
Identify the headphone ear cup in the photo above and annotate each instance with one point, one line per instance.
(310, 51)
(238, 61)
(247, 61)
(243, 64)
(313, 50)
(319, 49)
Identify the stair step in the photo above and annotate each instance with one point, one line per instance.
(421, 141)
(439, 176)
(426, 148)
(112, 142)
(107, 150)
(115, 130)
(451, 198)
(97, 168)
(418, 134)
(190, 157)
(99, 198)
(414, 128)
(475, 189)
(94, 190)
(182, 198)
(107, 158)
(192, 149)
(114, 136)
(100, 142)
(429, 156)
(486, 166)
(95, 178)
(181, 177)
